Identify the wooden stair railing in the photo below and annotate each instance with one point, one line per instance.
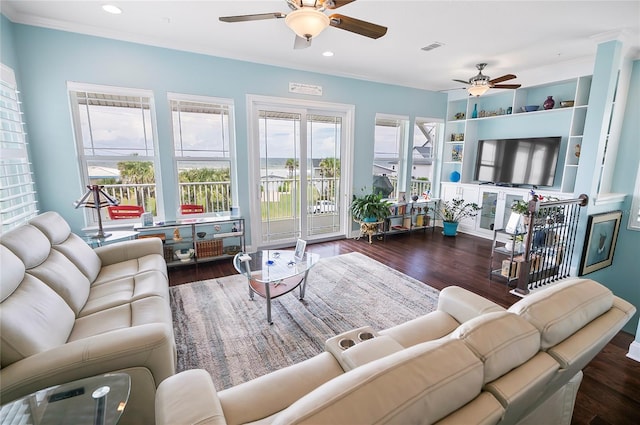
(549, 242)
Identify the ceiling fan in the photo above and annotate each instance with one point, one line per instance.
(307, 19)
(479, 84)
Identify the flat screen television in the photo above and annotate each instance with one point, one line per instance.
(514, 162)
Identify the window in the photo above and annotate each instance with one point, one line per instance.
(202, 137)
(425, 139)
(388, 156)
(116, 143)
(17, 192)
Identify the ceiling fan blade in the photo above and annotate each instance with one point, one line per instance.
(462, 81)
(334, 4)
(293, 4)
(357, 26)
(503, 78)
(301, 43)
(256, 17)
(506, 86)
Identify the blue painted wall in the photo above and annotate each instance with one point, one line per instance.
(7, 43)
(623, 276)
(49, 58)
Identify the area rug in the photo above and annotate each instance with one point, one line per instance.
(217, 327)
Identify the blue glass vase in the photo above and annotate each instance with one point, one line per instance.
(474, 114)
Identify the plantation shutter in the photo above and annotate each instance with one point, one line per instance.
(17, 190)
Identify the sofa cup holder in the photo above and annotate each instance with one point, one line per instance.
(345, 343)
(349, 341)
(363, 336)
(342, 342)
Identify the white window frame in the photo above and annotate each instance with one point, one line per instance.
(18, 197)
(402, 124)
(418, 159)
(84, 160)
(230, 157)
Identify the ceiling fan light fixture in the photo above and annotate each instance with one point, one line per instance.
(478, 88)
(307, 22)
(111, 8)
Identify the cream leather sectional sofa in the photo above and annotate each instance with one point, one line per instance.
(69, 312)
(469, 362)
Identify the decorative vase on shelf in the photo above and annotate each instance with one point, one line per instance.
(549, 103)
(474, 114)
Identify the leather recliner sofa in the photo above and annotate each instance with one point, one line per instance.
(69, 312)
(468, 362)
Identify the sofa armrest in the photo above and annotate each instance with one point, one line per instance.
(129, 250)
(464, 305)
(188, 398)
(275, 391)
(148, 346)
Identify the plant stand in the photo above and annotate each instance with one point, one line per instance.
(369, 229)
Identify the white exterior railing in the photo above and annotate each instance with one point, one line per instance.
(279, 196)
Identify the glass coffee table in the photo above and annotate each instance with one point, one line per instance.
(273, 273)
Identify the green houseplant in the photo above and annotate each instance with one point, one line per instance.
(451, 212)
(520, 207)
(369, 208)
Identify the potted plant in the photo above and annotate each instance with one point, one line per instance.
(451, 212)
(369, 208)
(520, 207)
(515, 243)
(519, 216)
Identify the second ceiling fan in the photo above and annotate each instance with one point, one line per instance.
(308, 19)
(480, 83)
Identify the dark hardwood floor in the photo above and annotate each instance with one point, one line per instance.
(610, 391)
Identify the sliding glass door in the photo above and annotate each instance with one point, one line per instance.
(297, 155)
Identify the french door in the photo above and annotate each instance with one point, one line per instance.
(297, 155)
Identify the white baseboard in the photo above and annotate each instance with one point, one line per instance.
(634, 351)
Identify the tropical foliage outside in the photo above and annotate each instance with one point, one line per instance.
(137, 174)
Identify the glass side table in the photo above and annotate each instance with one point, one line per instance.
(99, 400)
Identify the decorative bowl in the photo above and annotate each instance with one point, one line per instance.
(185, 254)
(531, 108)
(231, 249)
(566, 103)
(201, 234)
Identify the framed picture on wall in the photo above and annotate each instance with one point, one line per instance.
(600, 242)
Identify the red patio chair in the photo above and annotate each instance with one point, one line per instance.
(119, 212)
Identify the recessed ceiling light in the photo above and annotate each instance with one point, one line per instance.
(112, 9)
(327, 53)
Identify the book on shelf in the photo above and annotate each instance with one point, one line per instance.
(398, 209)
(211, 248)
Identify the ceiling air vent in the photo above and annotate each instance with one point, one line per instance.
(432, 46)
